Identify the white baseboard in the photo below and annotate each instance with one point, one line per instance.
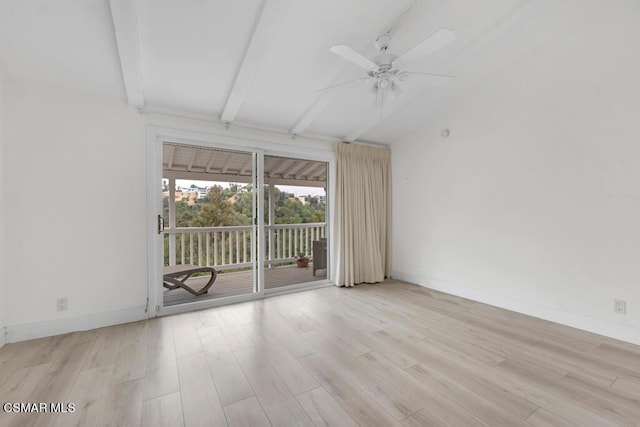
(575, 320)
(28, 331)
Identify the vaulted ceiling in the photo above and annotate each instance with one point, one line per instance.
(262, 62)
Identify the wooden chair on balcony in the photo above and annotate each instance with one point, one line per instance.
(319, 255)
(175, 276)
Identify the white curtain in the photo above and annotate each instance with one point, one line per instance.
(363, 214)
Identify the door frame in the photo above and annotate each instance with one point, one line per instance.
(155, 136)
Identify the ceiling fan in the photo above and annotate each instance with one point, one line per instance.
(387, 70)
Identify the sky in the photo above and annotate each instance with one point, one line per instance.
(298, 191)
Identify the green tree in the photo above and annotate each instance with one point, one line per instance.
(184, 213)
(218, 212)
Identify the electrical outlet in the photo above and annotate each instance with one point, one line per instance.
(620, 306)
(61, 304)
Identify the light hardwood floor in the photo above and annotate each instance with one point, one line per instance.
(374, 355)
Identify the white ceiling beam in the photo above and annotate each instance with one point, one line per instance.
(212, 157)
(172, 152)
(246, 165)
(282, 165)
(125, 23)
(317, 171)
(192, 160)
(306, 171)
(268, 24)
(294, 171)
(313, 112)
(227, 163)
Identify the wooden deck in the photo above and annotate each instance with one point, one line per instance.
(240, 283)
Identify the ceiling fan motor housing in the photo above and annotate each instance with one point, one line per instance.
(382, 42)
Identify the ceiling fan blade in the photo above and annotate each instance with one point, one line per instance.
(430, 78)
(444, 77)
(434, 42)
(351, 55)
(328, 88)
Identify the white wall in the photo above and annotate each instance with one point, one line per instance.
(533, 201)
(75, 210)
(2, 205)
(75, 206)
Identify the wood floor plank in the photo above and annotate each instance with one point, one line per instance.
(280, 406)
(205, 318)
(590, 359)
(605, 399)
(349, 396)
(161, 367)
(289, 369)
(22, 382)
(19, 387)
(130, 362)
(34, 352)
(62, 373)
(544, 418)
(162, 380)
(105, 347)
(436, 404)
(160, 343)
(56, 383)
(185, 333)
(236, 336)
(200, 402)
(163, 411)
(87, 395)
(122, 404)
(323, 410)
(230, 381)
(358, 341)
(548, 395)
(246, 413)
(627, 385)
(334, 343)
(546, 364)
(620, 355)
(276, 328)
(423, 418)
(391, 398)
(472, 376)
(477, 405)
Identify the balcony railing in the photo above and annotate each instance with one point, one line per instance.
(230, 247)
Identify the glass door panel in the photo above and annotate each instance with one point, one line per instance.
(210, 228)
(295, 228)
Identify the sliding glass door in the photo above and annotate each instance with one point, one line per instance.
(236, 224)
